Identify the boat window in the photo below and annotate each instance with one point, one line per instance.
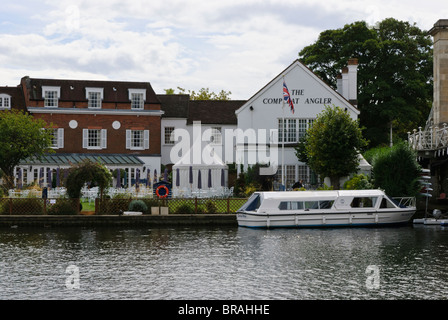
(326, 204)
(291, 205)
(364, 202)
(311, 204)
(386, 203)
(252, 204)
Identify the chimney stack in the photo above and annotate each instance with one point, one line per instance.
(347, 82)
(353, 81)
(440, 103)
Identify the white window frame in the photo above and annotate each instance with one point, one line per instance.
(98, 93)
(293, 129)
(58, 138)
(102, 139)
(51, 102)
(5, 101)
(140, 103)
(144, 145)
(216, 135)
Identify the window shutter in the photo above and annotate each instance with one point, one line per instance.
(128, 139)
(85, 137)
(60, 138)
(103, 138)
(146, 139)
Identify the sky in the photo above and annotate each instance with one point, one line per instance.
(232, 45)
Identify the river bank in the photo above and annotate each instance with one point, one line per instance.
(117, 220)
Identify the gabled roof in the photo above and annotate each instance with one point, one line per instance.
(287, 70)
(74, 90)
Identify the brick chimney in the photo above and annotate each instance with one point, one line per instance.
(440, 103)
(347, 82)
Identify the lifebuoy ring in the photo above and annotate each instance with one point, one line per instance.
(167, 191)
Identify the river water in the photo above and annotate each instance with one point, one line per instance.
(230, 263)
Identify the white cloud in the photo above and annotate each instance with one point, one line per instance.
(231, 45)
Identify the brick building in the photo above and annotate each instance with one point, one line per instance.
(117, 123)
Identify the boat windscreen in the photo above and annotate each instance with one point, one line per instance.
(252, 204)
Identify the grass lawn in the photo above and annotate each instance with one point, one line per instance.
(88, 206)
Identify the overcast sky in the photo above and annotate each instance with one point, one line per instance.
(232, 45)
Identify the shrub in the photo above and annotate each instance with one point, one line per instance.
(210, 207)
(396, 171)
(250, 189)
(138, 205)
(358, 182)
(200, 210)
(87, 171)
(23, 206)
(325, 187)
(63, 207)
(112, 206)
(185, 208)
(151, 202)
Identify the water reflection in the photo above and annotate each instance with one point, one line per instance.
(224, 263)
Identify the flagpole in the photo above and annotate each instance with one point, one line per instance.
(283, 141)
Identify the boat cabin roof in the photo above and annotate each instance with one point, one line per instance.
(317, 195)
(335, 199)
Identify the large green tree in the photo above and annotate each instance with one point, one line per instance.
(394, 72)
(331, 146)
(22, 136)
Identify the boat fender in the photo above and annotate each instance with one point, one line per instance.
(437, 213)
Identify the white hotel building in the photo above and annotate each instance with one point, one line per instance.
(268, 132)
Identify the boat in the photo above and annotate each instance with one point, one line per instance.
(438, 219)
(329, 208)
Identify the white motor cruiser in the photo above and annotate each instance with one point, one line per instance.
(324, 209)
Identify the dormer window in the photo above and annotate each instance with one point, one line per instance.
(137, 97)
(5, 101)
(94, 97)
(51, 96)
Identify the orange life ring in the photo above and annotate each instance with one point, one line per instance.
(167, 191)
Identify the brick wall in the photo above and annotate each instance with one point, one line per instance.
(115, 99)
(116, 138)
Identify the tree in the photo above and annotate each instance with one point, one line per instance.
(87, 171)
(22, 136)
(331, 146)
(203, 94)
(394, 72)
(396, 171)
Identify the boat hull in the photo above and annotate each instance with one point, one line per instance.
(336, 219)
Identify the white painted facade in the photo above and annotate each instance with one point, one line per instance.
(266, 110)
(256, 138)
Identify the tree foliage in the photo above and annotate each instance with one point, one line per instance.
(396, 171)
(394, 72)
(88, 171)
(21, 137)
(203, 94)
(331, 146)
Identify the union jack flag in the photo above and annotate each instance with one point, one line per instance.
(287, 96)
